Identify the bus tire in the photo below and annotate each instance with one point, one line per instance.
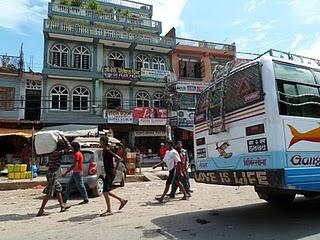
(278, 198)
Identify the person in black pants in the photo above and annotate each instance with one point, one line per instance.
(110, 171)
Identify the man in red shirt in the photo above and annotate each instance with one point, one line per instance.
(162, 153)
(77, 175)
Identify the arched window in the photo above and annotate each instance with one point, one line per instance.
(80, 99)
(116, 59)
(81, 58)
(158, 63)
(59, 55)
(142, 61)
(59, 98)
(142, 99)
(158, 100)
(114, 99)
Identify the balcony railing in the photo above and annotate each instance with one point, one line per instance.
(11, 63)
(204, 44)
(103, 33)
(110, 17)
(130, 4)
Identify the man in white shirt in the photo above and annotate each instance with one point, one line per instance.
(172, 160)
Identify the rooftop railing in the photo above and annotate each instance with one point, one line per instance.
(205, 44)
(11, 63)
(130, 4)
(113, 17)
(110, 34)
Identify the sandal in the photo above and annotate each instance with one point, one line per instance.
(159, 199)
(106, 213)
(65, 208)
(123, 203)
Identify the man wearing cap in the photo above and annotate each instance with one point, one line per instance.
(162, 152)
(172, 160)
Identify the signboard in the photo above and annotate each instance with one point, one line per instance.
(237, 178)
(148, 74)
(303, 159)
(121, 73)
(152, 121)
(185, 118)
(190, 87)
(257, 145)
(119, 117)
(149, 112)
(150, 133)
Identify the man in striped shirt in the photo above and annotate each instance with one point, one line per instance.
(53, 185)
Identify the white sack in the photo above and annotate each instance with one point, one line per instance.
(46, 141)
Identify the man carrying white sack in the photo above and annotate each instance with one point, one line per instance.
(53, 185)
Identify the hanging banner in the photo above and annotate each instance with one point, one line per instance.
(149, 112)
(190, 87)
(185, 118)
(121, 73)
(119, 117)
(153, 74)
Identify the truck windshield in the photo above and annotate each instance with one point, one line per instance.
(298, 90)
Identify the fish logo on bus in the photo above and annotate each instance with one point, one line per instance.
(222, 150)
(310, 136)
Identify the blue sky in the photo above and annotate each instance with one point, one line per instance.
(254, 25)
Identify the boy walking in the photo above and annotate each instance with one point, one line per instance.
(110, 171)
(77, 175)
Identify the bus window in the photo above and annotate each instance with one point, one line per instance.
(293, 74)
(317, 74)
(298, 91)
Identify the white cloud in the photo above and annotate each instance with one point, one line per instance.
(307, 11)
(236, 23)
(169, 13)
(253, 4)
(297, 38)
(19, 15)
(312, 48)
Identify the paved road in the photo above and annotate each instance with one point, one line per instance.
(213, 212)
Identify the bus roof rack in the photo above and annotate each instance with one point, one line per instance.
(291, 57)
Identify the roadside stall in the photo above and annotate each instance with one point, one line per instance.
(16, 152)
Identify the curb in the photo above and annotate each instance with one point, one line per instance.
(8, 185)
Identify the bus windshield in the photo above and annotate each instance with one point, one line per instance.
(298, 90)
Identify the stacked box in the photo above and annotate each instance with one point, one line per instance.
(18, 171)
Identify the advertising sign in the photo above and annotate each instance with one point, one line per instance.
(185, 118)
(152, 121)
(190, 87)
(150, 133)
(148, 74)
(119, 117)
(121, 73)
(149, 112)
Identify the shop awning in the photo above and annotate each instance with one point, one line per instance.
(74, 130)
(27, 133)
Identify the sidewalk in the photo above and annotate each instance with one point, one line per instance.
(147, 174)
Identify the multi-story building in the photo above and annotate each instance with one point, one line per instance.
(193, 62)
(20, 94)
(105, 63)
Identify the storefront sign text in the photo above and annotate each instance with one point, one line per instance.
(121, 73)
(152, 121)
(119, 117)
(299, 160)
(150, 133)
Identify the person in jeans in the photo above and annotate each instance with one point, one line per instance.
(184, 178)
(173, 162)
(53, 185)
(110, 171)
(77, 175)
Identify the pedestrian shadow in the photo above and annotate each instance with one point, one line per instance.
(155, 203)
(255, 221)
(82, 218)
(58, 206)
(16, 217)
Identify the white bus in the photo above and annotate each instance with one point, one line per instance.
(259, 124)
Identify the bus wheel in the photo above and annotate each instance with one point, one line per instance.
(278, 198)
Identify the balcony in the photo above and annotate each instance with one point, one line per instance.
(130, 4)
(10, 63)
(229, 48)
(67, 11)
(86, 31)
